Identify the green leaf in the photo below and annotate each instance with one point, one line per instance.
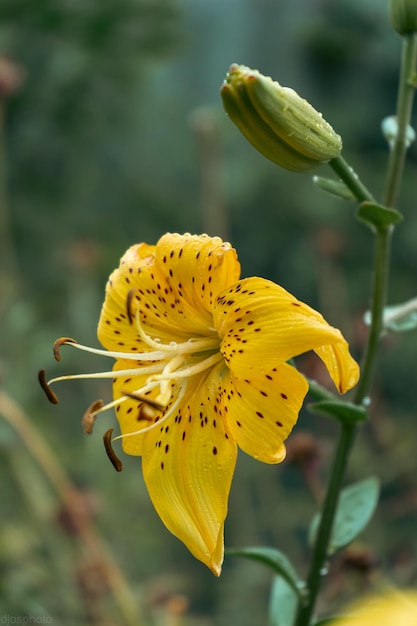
(327, 621)
(274, 559)
(283, 603)
(334, 187)
(345, 412)
(399, 317)
(377, 215)
(356, 506)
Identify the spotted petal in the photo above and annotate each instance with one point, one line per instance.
(261, 324)
(260, 412)
(188, 466)
(172, 284)
(199, 267)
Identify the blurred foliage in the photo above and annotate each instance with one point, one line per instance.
(112, 133)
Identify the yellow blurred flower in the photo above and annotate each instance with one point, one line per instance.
(201, 369)
(396, 608)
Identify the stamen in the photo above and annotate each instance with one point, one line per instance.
(165, 383)
(167, 415)
(52, 397)
(113, 374)
(128, 305)
(130, 356)
(62, 341)
(146, 413)
(186, 347)
(90, 415)
(192, 369)
(137, 396)
(116, 462)
(148, 387)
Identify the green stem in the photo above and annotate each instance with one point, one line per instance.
(379, 292)
(380, 286)
(320, 551)
(348, 431)
(405, 98)
(351, 180)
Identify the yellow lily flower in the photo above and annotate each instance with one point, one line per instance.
(201, 370)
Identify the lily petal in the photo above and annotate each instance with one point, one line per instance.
(116, 328)
(261, 411)
(199, 267)
(343, 370)
(260, 324)
(188, 466)
(172, 284)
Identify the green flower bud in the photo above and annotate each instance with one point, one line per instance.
(404, 16)
(280, 124)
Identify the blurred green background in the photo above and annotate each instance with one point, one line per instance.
(112, 132)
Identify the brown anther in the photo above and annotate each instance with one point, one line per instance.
(89, 416)
(144, 399)
(61, 342)
(52, 397)
(115, 461)
(129, 307)
(146, 413)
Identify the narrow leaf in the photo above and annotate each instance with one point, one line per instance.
(274, 559)
(357, 504)
(334, 187)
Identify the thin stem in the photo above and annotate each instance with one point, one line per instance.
(348, 431)
(379, 293)
(380, 286)
(405, 98)
(351, 179)
(320, 551)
